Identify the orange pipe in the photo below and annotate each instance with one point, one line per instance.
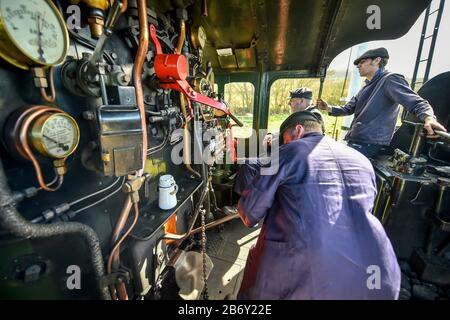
(52, 97)
(26, 148)
(181, 37)
(137, 72)
(124, 5)
(123, 217)
(117, 245)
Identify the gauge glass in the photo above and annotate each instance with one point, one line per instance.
(201, 34)
(60, 135)
(36, 28)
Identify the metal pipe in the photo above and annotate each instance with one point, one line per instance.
(123, 218)
(137, 77)
(442, 134)
(12, 221)
(181, 37)
(215, 223)
(417, 141)
(137, 72)
(113, 16)
(51, 82)
(26, 148)
(119, 242)
(204, 8)
(124, 6)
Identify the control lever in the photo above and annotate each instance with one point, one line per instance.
(113, 16)
(172, 71)
(443, 134)
(238, 122)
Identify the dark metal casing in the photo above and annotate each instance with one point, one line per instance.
(120, 137)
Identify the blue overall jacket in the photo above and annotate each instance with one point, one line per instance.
(318, 239)
(376, 108)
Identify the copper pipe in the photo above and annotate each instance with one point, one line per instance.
(51, 82)
(204, 8)
(26, 148)
(180, 237)
(137, 76)
(137, 72)
(181, 37)
(17, 125)
(119, 242)
(123, 217)
(55, 179)
(124, 6)
(122, 291)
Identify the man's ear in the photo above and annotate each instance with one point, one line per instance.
(300, 131)
(376, 61)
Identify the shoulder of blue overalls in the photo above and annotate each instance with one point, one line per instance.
(295, 148)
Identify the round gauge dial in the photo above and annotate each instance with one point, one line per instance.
(199, 37)
(34, 30)
(55, 135)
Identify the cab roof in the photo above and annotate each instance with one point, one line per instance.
(294, 35)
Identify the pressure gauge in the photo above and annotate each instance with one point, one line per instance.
(198, 36)
(55, 135)
(32, 33)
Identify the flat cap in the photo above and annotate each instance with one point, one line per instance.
(305, 93)
(372, 54)
(296, 118)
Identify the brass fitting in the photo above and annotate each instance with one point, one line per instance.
(39, 78)
(96, 24)
(134, 184)
(106, 157)
(60, 166)
(96, 15)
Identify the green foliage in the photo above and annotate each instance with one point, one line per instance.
(240, 97)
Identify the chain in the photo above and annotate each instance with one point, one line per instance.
(203, 240)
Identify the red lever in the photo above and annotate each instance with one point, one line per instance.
(172, 70)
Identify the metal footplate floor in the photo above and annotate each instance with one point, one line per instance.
(228, 249)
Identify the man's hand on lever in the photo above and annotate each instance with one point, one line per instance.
(323, 105)
(431, 125)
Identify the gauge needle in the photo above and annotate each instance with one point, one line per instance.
(61, 145)
(40, 50)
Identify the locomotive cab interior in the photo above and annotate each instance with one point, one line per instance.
(119, 150)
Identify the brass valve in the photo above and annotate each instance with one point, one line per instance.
(134, 184)
(96, 16)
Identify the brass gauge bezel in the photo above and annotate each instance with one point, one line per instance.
(195, 38)
(11, 51)
(37, 138)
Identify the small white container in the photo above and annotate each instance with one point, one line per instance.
(168, 190)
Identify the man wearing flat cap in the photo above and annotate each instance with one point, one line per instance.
(318, 239)
(377, 105)
(301, 100)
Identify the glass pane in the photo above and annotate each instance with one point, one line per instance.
(279, 108)
(240, 96)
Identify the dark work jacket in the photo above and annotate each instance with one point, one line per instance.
(319, 239)
(376, 108)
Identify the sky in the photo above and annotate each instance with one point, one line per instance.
(403, 51)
